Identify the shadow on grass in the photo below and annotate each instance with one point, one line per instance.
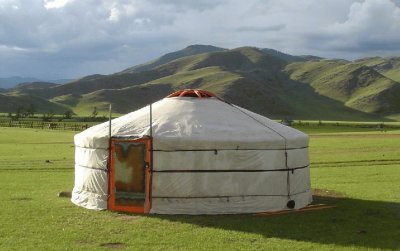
(352, 223)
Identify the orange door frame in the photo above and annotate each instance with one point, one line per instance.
(145, 209)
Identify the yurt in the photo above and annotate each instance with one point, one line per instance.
(191, 153)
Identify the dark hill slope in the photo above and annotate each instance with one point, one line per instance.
(242, 59)
(289, 58)
(10, 103)
(97, 82)
(127, 99)
(245, 59)
(34, 85)
(13, 81)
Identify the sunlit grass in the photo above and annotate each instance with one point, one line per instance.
(34, 218)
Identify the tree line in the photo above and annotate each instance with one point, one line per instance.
(31, 112)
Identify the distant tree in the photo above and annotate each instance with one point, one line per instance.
(31, 110)
(94, 112)
(44, 117)
(47, 116)
(25, 113)
(67, 114)
(50, 114)
(19, 112)
(9, 115)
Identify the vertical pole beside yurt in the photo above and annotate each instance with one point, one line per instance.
(149, 164)
(109, 124)
(109, 154)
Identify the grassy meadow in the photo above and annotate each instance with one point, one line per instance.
(354, 169)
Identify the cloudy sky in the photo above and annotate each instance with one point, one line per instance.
(53, 39)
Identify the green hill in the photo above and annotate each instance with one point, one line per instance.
(389, 67)
(356, 85)
(265, 81)
(96, 82)
(188, 51)
(34, 85)
(287, 57)
(11, 82)
(10, 103)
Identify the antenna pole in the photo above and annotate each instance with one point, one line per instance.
(151, 122)
(109, 123)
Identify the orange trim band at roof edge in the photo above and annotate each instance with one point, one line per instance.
(194, 93)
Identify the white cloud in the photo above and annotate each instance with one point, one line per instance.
(372, 27)
(114, 14)
(68, 38)
(55, 4)
(119, 10)
(369, 19)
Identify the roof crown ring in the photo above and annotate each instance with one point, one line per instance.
(193, 93)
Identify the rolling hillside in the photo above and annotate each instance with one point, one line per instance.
(389, 67)
(34, 85)
(13, 81)
(266, 81)
(356, 85)
(188, 51)
(10, 103)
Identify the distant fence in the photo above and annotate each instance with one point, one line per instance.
(82, 125)
(352, 124)
(71, 126)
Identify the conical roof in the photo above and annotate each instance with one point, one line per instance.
(196, 122)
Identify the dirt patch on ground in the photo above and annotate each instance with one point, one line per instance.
(21, 198)
(113, 245)
(65, 194)
(124, 216)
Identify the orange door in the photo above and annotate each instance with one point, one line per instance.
(130, 175)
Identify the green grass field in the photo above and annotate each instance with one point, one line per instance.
(360, 171)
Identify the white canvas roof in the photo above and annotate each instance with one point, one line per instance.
(192, 123)
(246, 153)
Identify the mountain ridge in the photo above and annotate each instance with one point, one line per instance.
(188, 51)
(265, 81)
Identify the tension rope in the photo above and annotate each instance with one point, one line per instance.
(283, 137)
